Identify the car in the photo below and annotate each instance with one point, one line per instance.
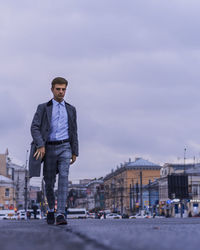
(3, 215)
(76, 213)
(125, 216)
(21, 215)
(7, 215)
(113, 216)
(91, 215)
(159, 217)
(139, 216)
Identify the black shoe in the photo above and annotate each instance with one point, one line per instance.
(60, 220)
(50, 218)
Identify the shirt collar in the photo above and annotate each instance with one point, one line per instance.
(57, 103)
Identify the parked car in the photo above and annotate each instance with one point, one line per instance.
(76, 213)
(3, 214)
(7, 215)
(21, 215)
(91, 215)
(113, 216)
(139, 216)
(125, 216)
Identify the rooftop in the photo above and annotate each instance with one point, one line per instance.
(139, 163)
(176, 166)
(13, 162)
(4, 179)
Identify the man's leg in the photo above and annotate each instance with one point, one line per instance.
(64, 158)
(50, 165)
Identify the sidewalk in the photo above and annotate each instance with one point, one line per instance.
(37, 235)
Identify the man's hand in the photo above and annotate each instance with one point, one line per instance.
(73, 159)
(40, 152)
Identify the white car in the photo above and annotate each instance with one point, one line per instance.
(3, 215)
(139, 216)
(7, 215)
(113, 216)
(76, 213)
(21, 215)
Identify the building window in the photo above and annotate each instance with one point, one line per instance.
(195, 190)
(7, 191)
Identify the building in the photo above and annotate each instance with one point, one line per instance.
(3, 169)
(77, 196)
(191, 204)
(95, 195)
(151, 197)
(7, 187)
(124, 186)
(17, 172)
(13, 175)
(34, 195)
(88, 194)
(7, 193)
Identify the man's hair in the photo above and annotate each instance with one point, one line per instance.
(59, 80)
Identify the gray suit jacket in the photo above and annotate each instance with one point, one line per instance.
(40, 129)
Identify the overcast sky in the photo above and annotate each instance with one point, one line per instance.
(133, 69)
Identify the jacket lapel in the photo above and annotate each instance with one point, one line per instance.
(70, 115)
(49, 108)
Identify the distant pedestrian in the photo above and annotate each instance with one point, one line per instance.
(28, 214)
(55, 141)
(96, 215)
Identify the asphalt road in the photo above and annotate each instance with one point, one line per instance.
(89, 234)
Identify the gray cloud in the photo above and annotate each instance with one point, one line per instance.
(10, 112)
(133, 69)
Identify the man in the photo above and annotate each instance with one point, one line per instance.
(55, 141)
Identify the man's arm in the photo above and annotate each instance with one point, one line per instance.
(73, 159)
(75, 136)
(36, 133)
(36, 126)
(40, 152)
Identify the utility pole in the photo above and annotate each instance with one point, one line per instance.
(141, 195)
(181, 200)
(184, 158)
(137, 191)
(17, 191)
(26, 183)
(181, 203)
(150, 196)
(133, 195)
(131, 208)
(122, 202)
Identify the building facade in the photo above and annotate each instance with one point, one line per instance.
(95, 195)
(124, 186)
(175, 207)
(88, 194)
(7, 193)
(151, 198)
(17, 172)
(12, 182)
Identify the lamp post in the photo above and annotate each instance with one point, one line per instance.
(26, 183)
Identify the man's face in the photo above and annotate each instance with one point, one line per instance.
(59, 92)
